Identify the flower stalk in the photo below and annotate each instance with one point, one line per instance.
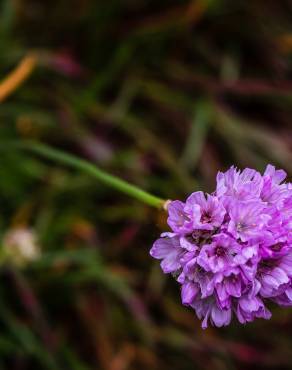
(75, 162)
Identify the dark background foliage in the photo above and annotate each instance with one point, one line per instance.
(163, 94)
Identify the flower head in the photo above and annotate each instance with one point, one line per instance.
(231, 251)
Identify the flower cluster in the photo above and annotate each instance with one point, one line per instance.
(231, 251)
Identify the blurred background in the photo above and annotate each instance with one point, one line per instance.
(162, 94)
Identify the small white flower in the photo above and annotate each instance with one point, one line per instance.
(20, 245)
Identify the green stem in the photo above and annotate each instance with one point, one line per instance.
(87, 167)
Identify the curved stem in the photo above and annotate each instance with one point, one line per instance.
(87, 167)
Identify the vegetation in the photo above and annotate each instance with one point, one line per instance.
(162, 94)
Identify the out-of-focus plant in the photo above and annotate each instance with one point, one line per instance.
(20, 247)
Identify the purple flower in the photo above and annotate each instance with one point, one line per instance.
(231, 251)
(188, 292)
(247, 220)
(273, 279)
(250, 308)
(271, 192)
(198, 213)
(208, 310)
(179, 221)
(230, 285)
(209, 211)
(284, 299)
(245, 185)
(169, 251)
(220, 254)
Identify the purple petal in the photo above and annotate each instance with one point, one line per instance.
(188, 293)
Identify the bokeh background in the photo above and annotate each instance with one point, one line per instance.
(164, 94)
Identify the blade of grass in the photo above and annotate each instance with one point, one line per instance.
(17, 76)
(197, 136)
